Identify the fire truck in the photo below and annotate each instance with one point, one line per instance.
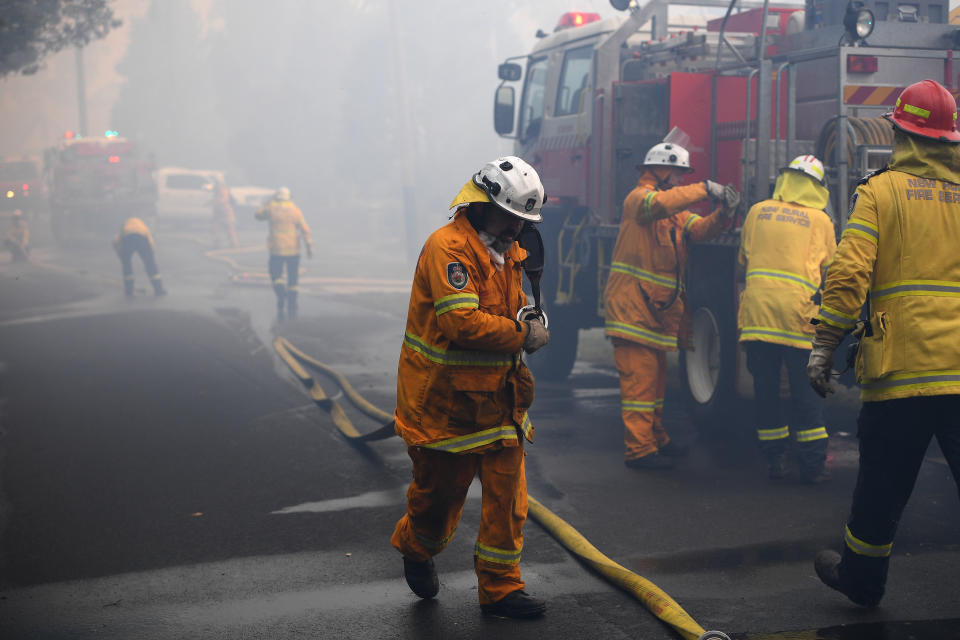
(752, 88)
(95, 183)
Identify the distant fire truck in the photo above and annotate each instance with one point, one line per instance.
(597, 93)
(96, 182)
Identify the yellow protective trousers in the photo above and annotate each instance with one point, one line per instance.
(643, 383)
(435, 501)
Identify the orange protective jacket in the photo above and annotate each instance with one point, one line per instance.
(287, 226)
(462, 386)
(133, 226)
(649, 260)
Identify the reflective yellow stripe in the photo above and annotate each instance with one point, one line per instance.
(474, 440)
(648, 204)
(793, 338)
(835, 318)
(434, 545)
(809, 435)
(499, 556)
(777, 274)
(773, 434)
(640, 406)
(642, 274)
(456, 301)
(862, 548)
(902, 288)
(467, 358)
(917, 111)
(278, 281)
(864, 229)
(689, 223)
(645, 335)
(526, 425)
(156, 277)
(911, 380)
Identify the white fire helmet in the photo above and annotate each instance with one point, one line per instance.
(282, 194)
(514, 186)
(808, 165)
(668, 154)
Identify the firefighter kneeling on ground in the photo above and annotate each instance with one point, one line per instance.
(644, 296)
(134, 237)
(463, 389)
(18, 238)
(900, 246)
(785, 245)
(287, 228)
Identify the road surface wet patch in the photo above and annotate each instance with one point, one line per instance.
(948, 629)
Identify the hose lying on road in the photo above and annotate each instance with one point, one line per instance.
(649, 594)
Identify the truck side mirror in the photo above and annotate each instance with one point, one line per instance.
(509, 71)
(503, 111)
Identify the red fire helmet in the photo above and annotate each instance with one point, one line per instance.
(928, 110)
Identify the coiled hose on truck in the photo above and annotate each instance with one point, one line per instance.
(650, 595)
(860, 131)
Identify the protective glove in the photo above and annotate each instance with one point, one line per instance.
(537, 335)
(714, 189)
(310, 251)
(731, 200)
(820, 363)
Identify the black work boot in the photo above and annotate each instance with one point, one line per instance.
(777, 467)
(827, 565)
(291, 304)
(516, 604)
(674, 449)
(654, 461)
(421, 577)
(158, 289)
(128, 288)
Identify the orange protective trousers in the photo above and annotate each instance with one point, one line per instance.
(435, 501)
(643, 383)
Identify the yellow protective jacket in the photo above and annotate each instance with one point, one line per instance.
(461, 385)
(900, 245)
(785, 248)
(19, 233)
(287, 226)
(133, 226)
(649, 259)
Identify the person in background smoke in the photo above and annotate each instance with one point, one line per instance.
(223, 216)
(644, 297)
(17, 241)
(786, 244)
(463, 390)
(900, 247)
(287, 229)
(134, 237)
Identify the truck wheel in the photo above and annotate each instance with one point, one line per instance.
(707, 373)
(554, 362)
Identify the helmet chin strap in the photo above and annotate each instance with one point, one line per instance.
(662, 180)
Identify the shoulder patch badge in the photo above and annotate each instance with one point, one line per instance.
(853, 203)
(457, 275)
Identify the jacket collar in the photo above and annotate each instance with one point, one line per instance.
(481, 255)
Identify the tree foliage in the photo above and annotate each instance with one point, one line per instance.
(30, 30)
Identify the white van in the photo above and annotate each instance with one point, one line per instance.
(185, 195)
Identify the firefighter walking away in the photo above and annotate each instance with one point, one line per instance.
(644, 296)
(287, 229)
(786, 244)
(900, 247)
(17, 241)
(135, 238)
(463, 389)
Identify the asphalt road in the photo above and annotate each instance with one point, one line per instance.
(165, 476)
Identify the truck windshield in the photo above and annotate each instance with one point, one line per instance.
(573, 80)
(531, 108)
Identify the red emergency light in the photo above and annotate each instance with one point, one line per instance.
(113, 159)
(26, 187)
(68, 135)
(576, 19)
(861, 64)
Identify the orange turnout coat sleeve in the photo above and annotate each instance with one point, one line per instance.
(134, 226)
(462, 386)
(287, 227)
(785, 248)
(643, 297)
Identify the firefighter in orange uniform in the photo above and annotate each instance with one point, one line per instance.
(786, 244)
(900, 248)
(134, 237)
(287, 229)
(463, 390)
(644, 295)
(18, 238)
(224, 218)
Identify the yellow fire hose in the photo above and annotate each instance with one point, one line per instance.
(650, 595)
